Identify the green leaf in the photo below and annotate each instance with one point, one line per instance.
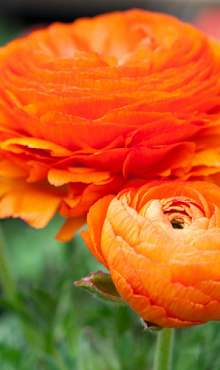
(100, 284)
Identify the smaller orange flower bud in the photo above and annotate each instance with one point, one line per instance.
(161, 243)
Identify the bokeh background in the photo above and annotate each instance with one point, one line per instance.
(47, 323)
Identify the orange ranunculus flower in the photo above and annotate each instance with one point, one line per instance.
(161, 243)
(88, 106)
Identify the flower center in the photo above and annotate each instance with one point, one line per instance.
(177, 224)
(181, 211)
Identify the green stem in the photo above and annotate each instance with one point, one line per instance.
(7, 279)
(163, 358)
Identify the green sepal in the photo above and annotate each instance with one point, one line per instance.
(100, 284)
(151, 326)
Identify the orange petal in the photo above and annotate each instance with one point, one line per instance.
(18, 145)
(58, 177)
(95, 221)
(35, 203)
(69, 228)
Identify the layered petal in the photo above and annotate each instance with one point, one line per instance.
(18, 199)
(124, 96)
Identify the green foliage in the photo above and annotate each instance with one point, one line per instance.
(100, 284)
(53, 325)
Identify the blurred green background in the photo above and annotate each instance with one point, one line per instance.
(57, 326)
(49, 324)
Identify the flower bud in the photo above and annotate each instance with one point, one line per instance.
(161, 243)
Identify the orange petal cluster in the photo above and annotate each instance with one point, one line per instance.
(161, 243)
(88, 106)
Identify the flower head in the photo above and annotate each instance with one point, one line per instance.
(161, 243)
(88, 106)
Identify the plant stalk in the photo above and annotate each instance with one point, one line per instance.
(164, 349)
(8, 283)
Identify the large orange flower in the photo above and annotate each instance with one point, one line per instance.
(88, 106)
(161, 243)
